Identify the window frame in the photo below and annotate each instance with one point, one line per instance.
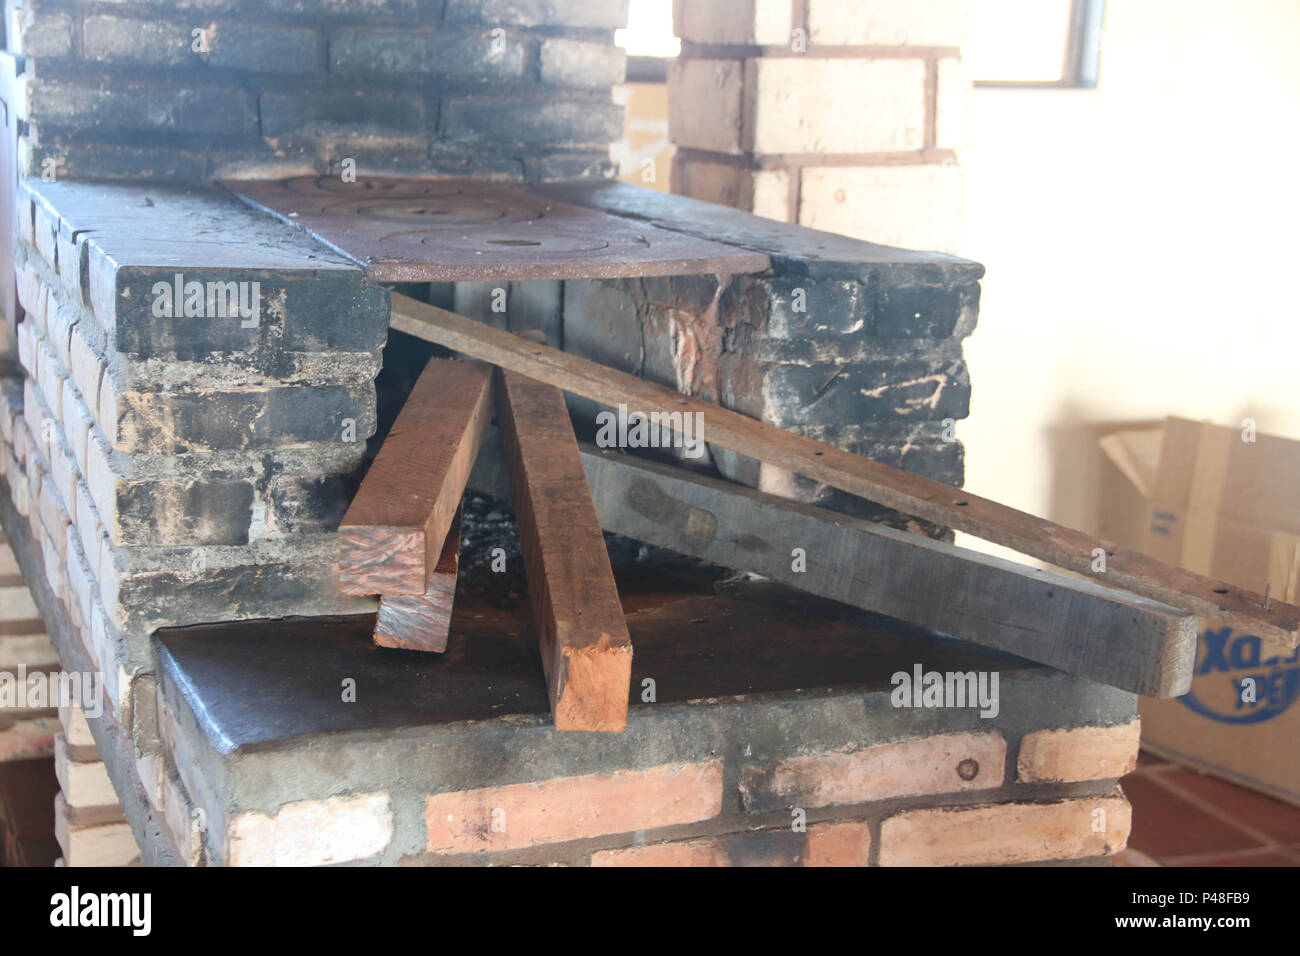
(1082, 54)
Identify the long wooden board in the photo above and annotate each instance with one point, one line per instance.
(886, 485)
(586, 650)
(1074, 625)
(393, 533)
(423, 623)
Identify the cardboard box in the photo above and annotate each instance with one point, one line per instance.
(1223, 502)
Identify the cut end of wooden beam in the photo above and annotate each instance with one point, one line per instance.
(1177, 664)
(423, 623)
(416, 623)
(592, 685)
(394, 530)
(381, 561)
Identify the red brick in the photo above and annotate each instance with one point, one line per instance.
(837, 844)
(943, 763)
(823, 844)
(1006, 833)
(681, 853)
(1081, 753)
(572, 808)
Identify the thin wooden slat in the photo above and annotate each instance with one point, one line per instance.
(881, 483)
(423, 623)
(586, 650)
(393, 533)
(1076, 626)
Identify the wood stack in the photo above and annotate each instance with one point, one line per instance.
(400, 537)
(27, 725)
(89, 823)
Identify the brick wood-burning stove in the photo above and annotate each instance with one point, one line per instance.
(175, 478)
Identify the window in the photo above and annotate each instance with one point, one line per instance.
(649, 40)
(1049, 43)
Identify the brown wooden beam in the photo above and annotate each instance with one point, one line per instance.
(586, 650)
(1058, 619)
(881, 483)
(423, 623)
(393, 533)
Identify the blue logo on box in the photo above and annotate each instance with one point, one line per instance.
(1252, 688)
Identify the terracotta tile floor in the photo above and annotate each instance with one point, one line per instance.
(1181, 818)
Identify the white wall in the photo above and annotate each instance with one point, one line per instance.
(1142, 242)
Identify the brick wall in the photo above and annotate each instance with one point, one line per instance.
(843, 777)
(182, 469)
(845, 342)
(181, 90)
(179, 466)
(843, 115)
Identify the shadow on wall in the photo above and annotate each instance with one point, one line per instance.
(1077, 461)
(1081, 472)
(1138, 260)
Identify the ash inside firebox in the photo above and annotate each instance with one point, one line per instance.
(491, 561)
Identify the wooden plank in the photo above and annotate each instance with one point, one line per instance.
(32, 651)
(1073, 625)
(392, 535)
(586, 650)
(110, 844)
(423, 623)
(84, 784)
(912, 494)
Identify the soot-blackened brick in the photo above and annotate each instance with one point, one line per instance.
(305, 312)
(405, 53)
(793, 307)
(340, 114)
(306, 505)
(210, 512)
(289, 87)
(579, 122)
(577, 63)
(268, 49)
(146, 601)
(907, 390)
(141, 107)
(924, 311)
(569, 166)
(606, 14)
(179, 422)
